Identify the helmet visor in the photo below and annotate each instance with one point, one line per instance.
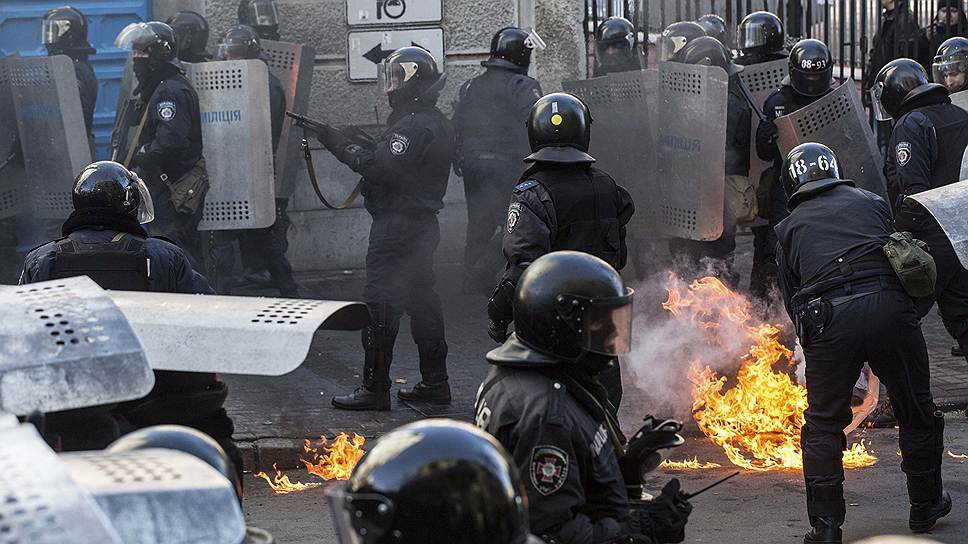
(394, 76)
(606, 324)
(534, 41)
(750, 36)
(881, 114)
(263, 13)
(668, 46)
(54, 30)
(233, 51)
(811, 83)
(146, 207)
(950, 65)
(136, 37)
(359, 518)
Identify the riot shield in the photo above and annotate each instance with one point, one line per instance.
(947, 205)
(13, 188)
(960, 99)
(293, 65)
(691, 150)
(838, 121)
(41, 503)
(623, 106)
(159, 496)
(233, 97)
(232, 335)
(64, 344)
(761, 80)
(52, 132)
(125, 117)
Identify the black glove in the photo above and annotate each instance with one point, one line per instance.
(497, 330)
(330, 137)
(664, 517)
(768, 132)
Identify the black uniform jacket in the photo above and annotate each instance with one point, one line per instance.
(171, 141)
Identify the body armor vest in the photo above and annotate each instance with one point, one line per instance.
(121, 264)
(951, 130)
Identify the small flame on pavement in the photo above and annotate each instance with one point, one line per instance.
(687, 464)
(336, 462)
(281, 485)
(960, 456)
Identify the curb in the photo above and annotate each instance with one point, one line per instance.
(262, 454)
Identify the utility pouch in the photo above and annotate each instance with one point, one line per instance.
(913, 264)
(812, 319)
(188, 192)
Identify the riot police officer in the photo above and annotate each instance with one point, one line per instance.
(65, 33)
(264, 249)
(810, 77)
(261, 15)
(951, 64)
(715, 27)
(104, 239)
(543, 401)
(675, 37)
(759, 38)
(191, 35)
(560, 202)
(437, 481)
(170, 145)
(616, 47)
(709, 51)
(405, 172)
(849, 307)
(491, 140)
(926, 149)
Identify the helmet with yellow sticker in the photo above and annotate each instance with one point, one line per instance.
(410, 74)
(559, 128)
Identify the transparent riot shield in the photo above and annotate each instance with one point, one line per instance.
(948, 205)
(293, 65)
(233, 98)
(13, 181)
(159, 496)
(64, 344)
(52, 132)
(838, 121)
(691, 142)
(232, 335)
(623, 107)
(41, 503)
(761, 80)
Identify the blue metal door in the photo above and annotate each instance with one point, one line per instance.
(20, 33)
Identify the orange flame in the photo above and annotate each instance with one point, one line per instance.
(687, 464)
(339, 459)
(281, 485)
(757, 421)
(960, 456)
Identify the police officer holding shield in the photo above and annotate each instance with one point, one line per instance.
(65, 33)
(405, 172)
(926, 149)
(489, 123)
(191, 35)
(616, 47)
(849, 306)
(561, 202)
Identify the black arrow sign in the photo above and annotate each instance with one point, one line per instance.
(377, 54)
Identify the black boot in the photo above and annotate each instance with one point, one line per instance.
(431, 393)
(925, 514)
(363, 399)
(375, 392)
(433, 387)
(824, 531)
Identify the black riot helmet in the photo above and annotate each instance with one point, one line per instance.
(559, 128)
(615, 43)
(708, 52)
(759, 33)
(191, 34)
(240, 42)
(569, 303)
(511, 48)
(811, 68)
(109, 188)
(261, 15)
(410, 74)
(715, 27)
(950, 62)
(898, 81)
(436, 481)
(65, 27)
(676, 36)
(808, 162)
(154, 40)
(183, 439)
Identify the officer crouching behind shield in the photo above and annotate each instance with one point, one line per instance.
(543, 401)
(561, 202)
(849, 306)
(405, 172)
(169, 150)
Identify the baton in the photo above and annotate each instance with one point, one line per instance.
(710, 486)
(8, 160)
(749, 98)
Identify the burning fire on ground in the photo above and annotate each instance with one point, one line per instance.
(959, 456)
(757, 419)
(687, 464)
(336, 462)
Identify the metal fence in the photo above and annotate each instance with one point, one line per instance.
(846, 26)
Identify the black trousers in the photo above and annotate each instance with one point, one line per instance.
(763, 275)
(400, 279)
(883, 330)
(487, 189)
(266, 249)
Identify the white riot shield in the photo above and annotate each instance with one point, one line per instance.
(52, 131)
(232, 335)
(949, 207)
(13, 188)
(159, 496)
(960, 99)
(233, 99)
(39, 501)
(293, 65)
(838, 121)
(623, 107)
(63, 345)
(691, 150)
(761, 80)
